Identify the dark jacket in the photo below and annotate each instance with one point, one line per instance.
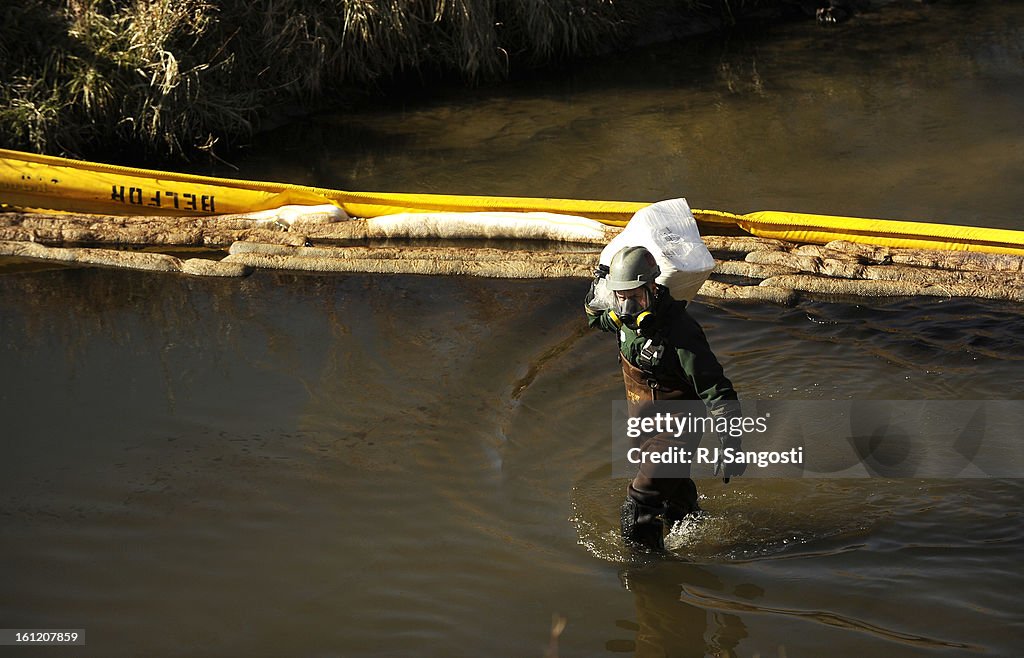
(687, 363)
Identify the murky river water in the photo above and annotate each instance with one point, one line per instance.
(353, 465)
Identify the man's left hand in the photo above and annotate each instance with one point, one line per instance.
(730, 469)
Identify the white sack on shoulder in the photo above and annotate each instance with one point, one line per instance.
(668, 230)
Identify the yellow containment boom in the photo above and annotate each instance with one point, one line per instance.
(46, 183)
(39, 182)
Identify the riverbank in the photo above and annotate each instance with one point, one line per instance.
(165, 79)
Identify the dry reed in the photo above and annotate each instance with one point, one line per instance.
(173, 77)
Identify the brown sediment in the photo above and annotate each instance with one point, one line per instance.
(719, 290)
(781, 272)
(742, 245)
(898, 288)
(846, 268)
(218, 231)
(751, 270)
(134, 260)
(960, 260)
(129, 260)
(586, 259)
(509, 268)
(206, 267)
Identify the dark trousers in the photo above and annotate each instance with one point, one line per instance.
(666, 485)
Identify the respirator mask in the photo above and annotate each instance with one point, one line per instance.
(631, 306)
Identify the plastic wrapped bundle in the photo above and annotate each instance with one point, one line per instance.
(669, 231)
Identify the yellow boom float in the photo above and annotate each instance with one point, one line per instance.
(44, 183)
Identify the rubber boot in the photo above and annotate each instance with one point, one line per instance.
(641, 525)
(682, 502)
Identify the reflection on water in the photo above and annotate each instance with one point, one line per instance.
(744, 521)
(905, 114)
(302, 465)
(357, 465)
(668, 624)
(821, 542)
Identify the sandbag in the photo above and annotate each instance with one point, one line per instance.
(471, 225)
(669, 231)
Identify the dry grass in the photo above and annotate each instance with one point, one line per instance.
(168, 77)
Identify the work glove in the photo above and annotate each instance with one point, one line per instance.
(600, 272)
(733, 469)
(588, 302)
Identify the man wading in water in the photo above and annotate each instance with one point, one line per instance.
(664, 356)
